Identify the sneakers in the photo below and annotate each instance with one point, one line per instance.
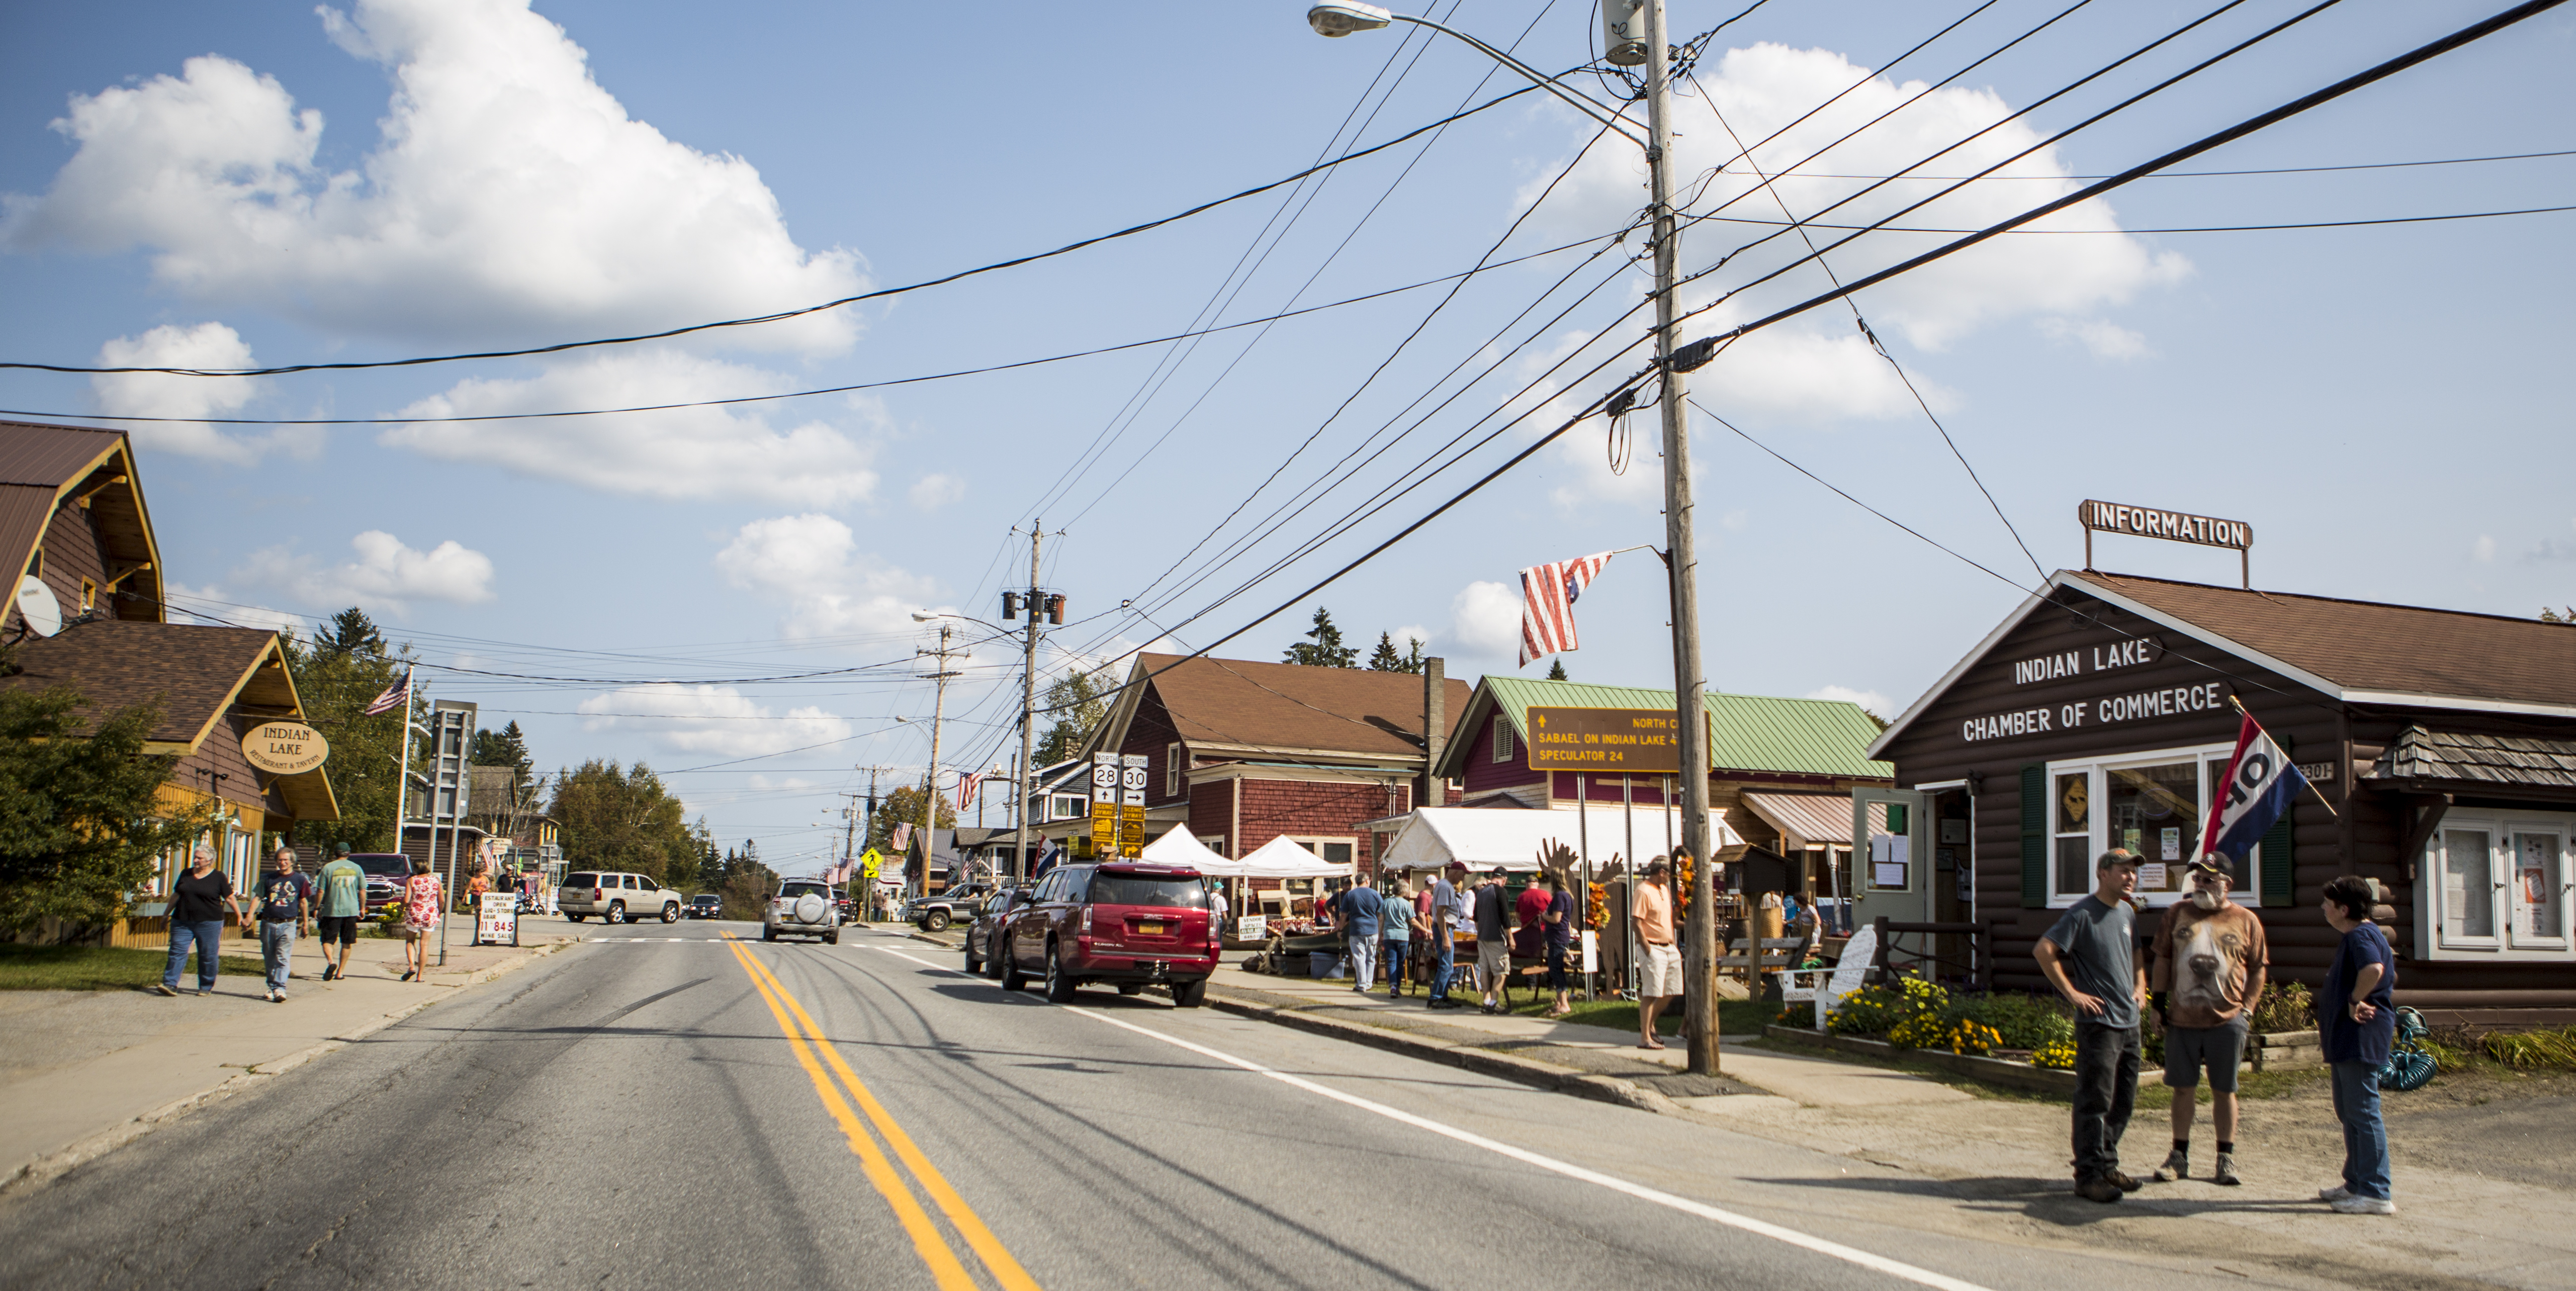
(2121, 1180)
(2178, 1166)
(2335, 1193)
(2349, 1204)
(164, 988)
(2100, 1189)
(2225, 1176)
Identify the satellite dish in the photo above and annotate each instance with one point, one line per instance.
(36, 605)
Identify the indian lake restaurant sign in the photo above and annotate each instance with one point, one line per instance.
(285, 748)
(2104, 710)
(1642, 740)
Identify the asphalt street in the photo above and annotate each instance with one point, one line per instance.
(685, 1105)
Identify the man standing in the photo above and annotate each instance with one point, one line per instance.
(1446, 909)
(1659, 963)
(285, 901)
(1493, 936)
(343, 902)
(2211, 962)
(2091, 957)
(1395, 916)
(1361, 910)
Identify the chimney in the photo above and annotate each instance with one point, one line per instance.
(1435, 733)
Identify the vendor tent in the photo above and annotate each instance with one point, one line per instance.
(1180, 847)
(1509, 838)
(1280, 858)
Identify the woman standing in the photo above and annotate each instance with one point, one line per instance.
(2358, 1015)
(422, 900)
(1396, 927)
(197, 901)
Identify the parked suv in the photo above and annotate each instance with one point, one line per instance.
(991, 921)
(802, 908)
(616, 898)
(1123, 922)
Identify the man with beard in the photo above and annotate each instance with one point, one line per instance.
(2211, 961)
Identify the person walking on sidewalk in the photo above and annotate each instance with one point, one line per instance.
(1361, 910)
(2357, 1011)
(2091, 957)
(2211, 962)
(1557, 924)
(1659, 963)
(421, 905)
(196, 917)
(285, 901)
(1446, 912)
(1397, 936)
(1493, 912)
(342, 902)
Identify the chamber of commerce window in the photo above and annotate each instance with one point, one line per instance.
(2151, 803)
(2498, 885)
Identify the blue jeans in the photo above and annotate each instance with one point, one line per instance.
(206, 937)
(1395, 952)
(1363, 962)
(1444, 965)
(2365, 1136)
(276, 949)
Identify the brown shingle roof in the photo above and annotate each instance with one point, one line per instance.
(1354, 711)
(50, 456)
(2382, 651)
(2420, 754)
(192, 672)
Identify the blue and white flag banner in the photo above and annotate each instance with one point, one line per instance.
(2257, 791)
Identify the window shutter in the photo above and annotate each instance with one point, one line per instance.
(2034, 836)
(2278, 881)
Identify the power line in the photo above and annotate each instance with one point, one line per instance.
(2207, 174)
(2196, 228)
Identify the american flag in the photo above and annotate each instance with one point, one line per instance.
(1548, 594)
(396, 695)
(967, 783)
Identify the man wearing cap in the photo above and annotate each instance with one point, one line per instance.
(2211, 962)
(1493, 913)
(1446, 912)
(1659, 959)
(2091, 957)
(343, 900)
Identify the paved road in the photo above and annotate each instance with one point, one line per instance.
(653, 1111)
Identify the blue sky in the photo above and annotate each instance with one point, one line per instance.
(225, 185)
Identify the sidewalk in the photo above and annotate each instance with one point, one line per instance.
(86, 1071)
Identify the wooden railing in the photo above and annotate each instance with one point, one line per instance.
(1971, 967)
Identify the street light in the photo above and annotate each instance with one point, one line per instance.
(1682, 561)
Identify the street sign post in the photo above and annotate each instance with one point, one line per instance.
(1640, 741)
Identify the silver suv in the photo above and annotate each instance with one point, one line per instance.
(616, 898)
(802, 908)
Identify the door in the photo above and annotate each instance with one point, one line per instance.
(1892, 856)
(2536, 889)
(1028, 924)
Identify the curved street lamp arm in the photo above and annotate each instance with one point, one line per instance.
(1618, 125)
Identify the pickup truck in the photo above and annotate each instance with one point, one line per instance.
(933, 912)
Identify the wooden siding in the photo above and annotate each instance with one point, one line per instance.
(1484, 773)
(74, 551)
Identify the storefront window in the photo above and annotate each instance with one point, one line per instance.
(2468, 885)
(2073, 809)
(2153, 803)
(2155, 812)
(2496, 886)
(2539, 888)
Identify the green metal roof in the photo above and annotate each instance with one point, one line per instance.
(1753, 732)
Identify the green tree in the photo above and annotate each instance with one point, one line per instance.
(77, 831)
(617, 818)
(1385, 659)
(1081, 704)
(504, 748)
(903, 806)
(2548, 615)
(337, 674)
(1556, 669)
(1323, 646)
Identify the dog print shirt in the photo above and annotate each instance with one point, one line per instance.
(2210, 961)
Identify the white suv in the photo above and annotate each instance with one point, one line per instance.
(616, 898)
(802, 908)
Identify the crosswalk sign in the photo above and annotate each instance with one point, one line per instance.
(868, 863)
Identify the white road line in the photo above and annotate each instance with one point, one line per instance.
(923, 962)
(1793, 1237)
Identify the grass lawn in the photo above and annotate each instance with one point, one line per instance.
(98, 968)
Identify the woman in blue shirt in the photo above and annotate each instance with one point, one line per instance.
(2357, 1013)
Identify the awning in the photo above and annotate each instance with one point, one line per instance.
(1280, 858)
(1816, 819)
(1509, 838)
(2454, 759)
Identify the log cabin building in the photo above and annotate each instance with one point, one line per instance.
(2442, 746)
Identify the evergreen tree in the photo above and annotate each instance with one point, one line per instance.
(619, 818)
(339, 673)
(350, 632)
(78, 802)
(1384, 658)
(1556, 669)
(1323, 646)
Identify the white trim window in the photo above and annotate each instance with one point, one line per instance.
(1336, 849)
(2153, 803)
(1067, 806)
(1502, 751)
(1176, 768)
(2499, 884)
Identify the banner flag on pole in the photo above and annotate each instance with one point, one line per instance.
(394, 696)
(967, 783)
(1548, 594)
(2257, 791)
(902, 835)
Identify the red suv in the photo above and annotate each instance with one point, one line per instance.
(1123, 922)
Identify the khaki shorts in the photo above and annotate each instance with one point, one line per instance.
(1659, 970)
(1493, 960)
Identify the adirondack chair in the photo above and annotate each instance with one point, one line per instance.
(1827, 986)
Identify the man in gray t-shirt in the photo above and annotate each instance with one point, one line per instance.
(2091, 957)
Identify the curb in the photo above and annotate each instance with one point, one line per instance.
(53, 1165)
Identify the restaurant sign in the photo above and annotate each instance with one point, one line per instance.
(285, 748)
(1636, 740)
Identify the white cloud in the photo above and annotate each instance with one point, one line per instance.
(2105, 340)
(1869, 699)
(1485, 620)
(386, 575)
(714, 720)
(146, 394)
(2554, 548)
(811, 561)
(1413, 632)
(682, 453)
(215, 604)
(932, 492)
(2484, 548)
(508, 196)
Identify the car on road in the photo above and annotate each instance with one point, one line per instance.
(984, 934)
(616, 897)
(802, 908)
(705, 905)
(934, 911)
(1127, 923)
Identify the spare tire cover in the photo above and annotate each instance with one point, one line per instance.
(809, 909)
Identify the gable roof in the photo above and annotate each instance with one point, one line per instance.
(1281, 708)
(2362, 652)
(1752, 732)
(43, 466)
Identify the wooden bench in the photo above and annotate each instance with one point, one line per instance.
(1777, 953)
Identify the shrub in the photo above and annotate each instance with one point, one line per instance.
(2018, 1021)
(2285, 1006)
(1879, 1010)
(2057, 1054)
(2530, 1050)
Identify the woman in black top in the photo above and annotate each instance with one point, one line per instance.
(197, 901)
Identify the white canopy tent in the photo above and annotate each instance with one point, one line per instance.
(1509, 838)
(1280, 858)
(1180, 847)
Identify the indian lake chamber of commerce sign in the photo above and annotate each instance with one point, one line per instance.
(285, 748)
(2086, 661)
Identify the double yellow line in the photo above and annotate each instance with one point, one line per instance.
(806, 1039)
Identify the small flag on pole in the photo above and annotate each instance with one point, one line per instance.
(902, 835)
(967, 783)
(1548, 594)
(396, 695)
(2259, 786)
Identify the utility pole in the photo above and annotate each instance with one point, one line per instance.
(1023, 784)
(930, 781)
